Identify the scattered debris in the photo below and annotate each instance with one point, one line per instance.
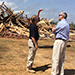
(14, 25)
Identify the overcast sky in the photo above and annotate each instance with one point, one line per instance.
(52, 8)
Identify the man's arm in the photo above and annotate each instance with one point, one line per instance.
(53, 29)
(33, 39)
(39, 12)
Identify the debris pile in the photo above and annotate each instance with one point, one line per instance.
(12, 25)
(44, 28)
(72, 35)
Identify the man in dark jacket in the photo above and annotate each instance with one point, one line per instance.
(32, 43)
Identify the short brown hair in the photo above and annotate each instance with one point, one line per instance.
(33, 18)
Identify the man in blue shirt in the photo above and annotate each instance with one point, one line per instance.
(61, 31)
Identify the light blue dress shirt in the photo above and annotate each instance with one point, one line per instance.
(62, 30)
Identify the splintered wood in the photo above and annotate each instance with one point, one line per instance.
(12, 25)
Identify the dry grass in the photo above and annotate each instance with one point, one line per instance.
(14, 53)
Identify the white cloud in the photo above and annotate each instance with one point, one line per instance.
(25, 1)
(15, 7)
(42, 13)
(63, 2)
(9, 4)
(46, 9)
(1, 2)
(27, 13)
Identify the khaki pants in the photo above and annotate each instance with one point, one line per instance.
(58, 57)
(31, 55)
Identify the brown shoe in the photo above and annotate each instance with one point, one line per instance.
(30, 70)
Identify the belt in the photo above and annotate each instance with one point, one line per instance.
(60, 39)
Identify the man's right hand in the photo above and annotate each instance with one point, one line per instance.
(33, 39)
(36, 47)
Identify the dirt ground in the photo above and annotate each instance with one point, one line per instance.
(14, 53)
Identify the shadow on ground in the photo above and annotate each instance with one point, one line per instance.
(46, 46)
(50, 46)
(42, 68)
(69, 72)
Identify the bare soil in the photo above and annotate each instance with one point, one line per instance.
(14, 53)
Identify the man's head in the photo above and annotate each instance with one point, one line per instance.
(62, 15)
(34, 19)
